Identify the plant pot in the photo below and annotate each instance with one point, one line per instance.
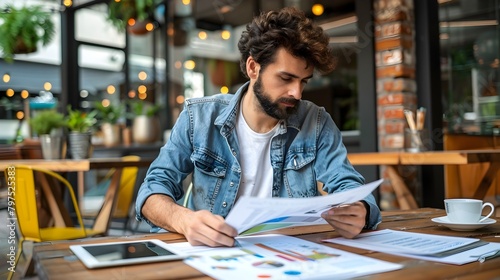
(111, 134)
(80, 145)
(145, 129)
(53, 147)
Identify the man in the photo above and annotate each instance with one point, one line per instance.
(263, 141)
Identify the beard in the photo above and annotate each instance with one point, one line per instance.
(271, 108)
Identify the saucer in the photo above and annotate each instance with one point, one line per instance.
(462, 227)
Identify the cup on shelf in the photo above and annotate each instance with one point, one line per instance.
(466, 211)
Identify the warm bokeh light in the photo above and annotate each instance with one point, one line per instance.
(9, 92)
(105, 102)
(67, 3)
(111, 89)
(25, 94)
(47, 86)
(142, 95)
(202, 35)
(224, 89)
(180, 99)
(142, 75)
(142, 89)
(20, 115)
(131, 22)
(317, 9)
(186, 2)
(226, 34)
(6, 78)
(189, 64)
(150, 26)
(131, 94)
(178, 64)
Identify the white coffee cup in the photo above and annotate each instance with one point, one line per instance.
(466, 211)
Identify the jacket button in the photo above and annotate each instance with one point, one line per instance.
(224, 204)
(231, 184)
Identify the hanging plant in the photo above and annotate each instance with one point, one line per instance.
(22, 29)
(120, 12)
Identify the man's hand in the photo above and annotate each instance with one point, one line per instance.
(348, 220)
(199, 227)
(205, 228)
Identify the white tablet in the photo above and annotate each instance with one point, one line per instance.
(124, 253)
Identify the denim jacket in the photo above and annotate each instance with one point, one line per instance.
(308, 148)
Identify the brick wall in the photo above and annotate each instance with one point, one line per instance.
(396, 88)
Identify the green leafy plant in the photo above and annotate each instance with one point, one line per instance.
(79, 121)
(47, 120)
(119, 12)
(140, 108)
(22, 29)
(109, 114)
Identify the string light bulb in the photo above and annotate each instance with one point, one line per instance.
(317, 9)
(6, 78)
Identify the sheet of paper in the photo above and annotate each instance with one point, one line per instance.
(252, 211)
(418, 245)
(280, 257)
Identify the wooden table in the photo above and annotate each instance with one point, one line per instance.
(393, 159)
(81, 166)
(55, 260)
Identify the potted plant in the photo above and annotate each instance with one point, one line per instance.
(121, 11)
(145, 124)
(23, 28)
(80, 138)
(108, 117)
(48, 124)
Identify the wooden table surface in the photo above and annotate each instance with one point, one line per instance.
(55, 260)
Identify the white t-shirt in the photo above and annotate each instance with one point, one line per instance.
(255, 159)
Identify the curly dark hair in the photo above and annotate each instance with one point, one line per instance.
(288, 28)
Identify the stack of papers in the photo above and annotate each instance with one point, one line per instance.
(437, 248)
(280, 257)
(253, 214)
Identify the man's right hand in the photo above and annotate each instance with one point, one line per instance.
(199, 227)
(204, 228)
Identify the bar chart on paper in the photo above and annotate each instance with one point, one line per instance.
(280, 257)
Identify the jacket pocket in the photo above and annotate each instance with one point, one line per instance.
(208, 164)
(299, 177)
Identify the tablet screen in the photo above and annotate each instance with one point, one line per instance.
(123, 251)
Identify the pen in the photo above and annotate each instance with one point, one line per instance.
(488, 256)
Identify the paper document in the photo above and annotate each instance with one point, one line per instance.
(438, 248)
(280, 257)
(252, 214)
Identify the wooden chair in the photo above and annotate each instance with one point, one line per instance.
(26, 210)
(123, 203)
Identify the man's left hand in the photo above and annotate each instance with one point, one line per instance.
(348, 220)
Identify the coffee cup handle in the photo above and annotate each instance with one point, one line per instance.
(489, 214)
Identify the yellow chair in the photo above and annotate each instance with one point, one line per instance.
(27, 210)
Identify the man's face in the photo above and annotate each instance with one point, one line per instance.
(279, 86)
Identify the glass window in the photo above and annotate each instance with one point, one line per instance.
(469, 37)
